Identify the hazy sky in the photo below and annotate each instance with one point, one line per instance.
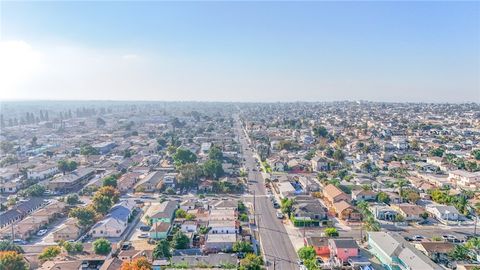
(241, 51)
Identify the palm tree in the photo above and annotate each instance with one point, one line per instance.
(400, 184)
(476, 208)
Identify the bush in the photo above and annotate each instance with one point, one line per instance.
(102, 246)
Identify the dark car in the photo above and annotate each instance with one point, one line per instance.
(144, 228)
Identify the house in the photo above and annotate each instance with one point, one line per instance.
(364, 195)
(465, 179)
(333, 194)
(276, 164)
(42, 172)
(223, 226)
(205, 186)
(383, 212)
(443, 213)
(222, 214)
(311, 210)
(169, 180)
(151, 183)
(11, 186)
(436, 251)
(346, 211)
(113, 263)
(410, 212)
(20, 210)
(104, 147)
(225, 205)
(393, 251)
(164, 212)
(115, 223)
(286, 189)
(127, 181)
(320, 244)
(160, 230)
(343, 248)
(132, 254)
(71, 182)
(69, 230)
(219, 242)
(212, 261)
(189, 226)
(319, 164)
(308, 184)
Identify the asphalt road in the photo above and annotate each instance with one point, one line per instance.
(276, 245)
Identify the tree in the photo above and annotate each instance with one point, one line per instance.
(34, 191)
(242, 246)
(102, 246)
(424, 215)
(383, 197)
(287, 206)
(215, 153)
(331, 232)
(140, 263)
(84, 215)
(437, 152)
(6, 245)
(72, 199)
(251, 262)
(180, 241)
(184, 156)
(110, 181)
(180, 213)
(162, 250)
(190, 174)
(105, 198)
(460, 252)
(306, 253)
(88, 150)
(49, 253)
(476, 154)
(213, 169)
(66, 166)
(400, 183)
(70, 247)
(338, 155)
(12, 260)
(320, 131)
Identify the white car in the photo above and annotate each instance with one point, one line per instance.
(280, 215)
(41, 232)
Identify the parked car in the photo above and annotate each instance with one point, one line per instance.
(19, 242)
(41, 232)
(143, 235)
(126, 246)
(418, 238)
(144, 228)
(280, 215)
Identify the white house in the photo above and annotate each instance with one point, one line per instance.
(189, 226)
(115, 223)
(223, 226)
(42, 172)
(443, 213)
(464, 178)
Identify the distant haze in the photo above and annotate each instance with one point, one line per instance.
(240, 51)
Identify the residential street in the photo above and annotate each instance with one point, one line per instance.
(276, 245)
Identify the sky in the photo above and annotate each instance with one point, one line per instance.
(240, 51)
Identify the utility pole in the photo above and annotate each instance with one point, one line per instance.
(254, 209)
(274, 263)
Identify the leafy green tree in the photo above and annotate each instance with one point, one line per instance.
(338, 155)
(437, 152)
(102, 246)
(67, 166)
(213, 169)
(251, 262)
(34, 191)
(476, 154)
(287, 206)
(331, 232)
(215, 153)
(184, 156)
(71, 248)
(84, 215)
(383, 197)
(72, 199)
(306, 253)
(49, 253)
(180, 213)
(460, 252)
(242, 246)
(110, 181)
(88, 150)
(6, 245)
(320, 131)
(180, 241)
(12, 260)
(105, 198)
(162, 250)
